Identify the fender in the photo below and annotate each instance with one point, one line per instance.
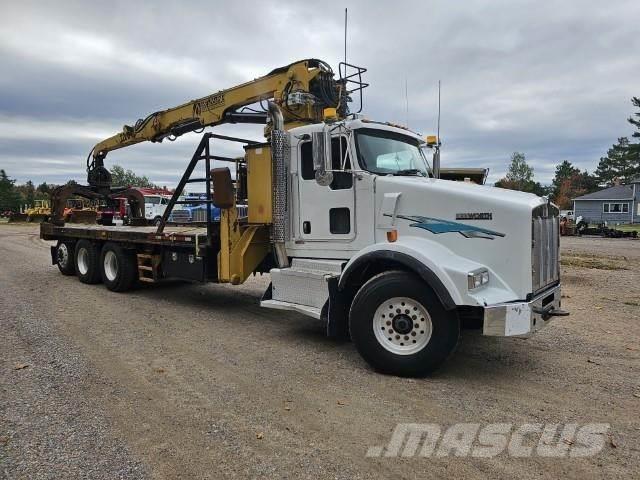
(413, 260)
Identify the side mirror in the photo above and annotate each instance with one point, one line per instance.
(321, 145)
(222, 188)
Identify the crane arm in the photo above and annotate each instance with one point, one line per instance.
(310, 80)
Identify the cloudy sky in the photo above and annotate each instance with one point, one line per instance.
(550, 79)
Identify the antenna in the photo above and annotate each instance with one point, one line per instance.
(406, 99)
(345, 36)
(436, 153)
(438, 112)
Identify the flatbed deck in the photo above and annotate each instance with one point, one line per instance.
(172, 235)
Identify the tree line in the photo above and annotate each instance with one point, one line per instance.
(13, 197)
(621, 164)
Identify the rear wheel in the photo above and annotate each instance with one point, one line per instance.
(65, 258)
(118, 267)
(400, 327)
(87, 262)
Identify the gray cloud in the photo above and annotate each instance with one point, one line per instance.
(550, 79)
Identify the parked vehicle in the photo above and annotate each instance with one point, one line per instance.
(346, 215)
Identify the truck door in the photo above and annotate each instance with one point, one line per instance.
(326, 212)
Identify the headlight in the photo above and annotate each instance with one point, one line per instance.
(477, 278)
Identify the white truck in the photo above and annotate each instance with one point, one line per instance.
(355, 229)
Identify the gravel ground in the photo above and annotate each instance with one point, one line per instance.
(196, 381)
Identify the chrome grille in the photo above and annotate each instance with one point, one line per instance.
(545, 255)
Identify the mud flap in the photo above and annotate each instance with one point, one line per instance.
(336, 311)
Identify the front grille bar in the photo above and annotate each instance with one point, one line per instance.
(545, 268)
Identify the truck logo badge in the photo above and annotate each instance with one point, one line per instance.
(439, 225)
(474, 216)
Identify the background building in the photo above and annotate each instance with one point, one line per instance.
(617, 204)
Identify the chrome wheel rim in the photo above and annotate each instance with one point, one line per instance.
(83, 261)
(402, 325)
(110, 266)
(63, 255)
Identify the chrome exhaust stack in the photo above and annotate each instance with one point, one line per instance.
(279, 152)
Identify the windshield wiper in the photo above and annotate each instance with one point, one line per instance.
(409, 171)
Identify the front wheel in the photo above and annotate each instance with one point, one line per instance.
(400, 327)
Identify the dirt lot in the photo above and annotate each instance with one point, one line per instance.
(196, 381)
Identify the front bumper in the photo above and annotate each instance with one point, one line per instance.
(522, 318)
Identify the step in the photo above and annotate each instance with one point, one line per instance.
(305, 310)
(305, 282)
(148, 267)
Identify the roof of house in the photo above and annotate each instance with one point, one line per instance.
(617, 192)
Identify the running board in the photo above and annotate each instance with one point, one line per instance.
(295, 307)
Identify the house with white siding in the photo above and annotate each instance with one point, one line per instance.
(614, 205)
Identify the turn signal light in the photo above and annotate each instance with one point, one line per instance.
(392, 235)
(432, 140)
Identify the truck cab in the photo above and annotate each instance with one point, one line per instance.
(366, 214)
(154, 207)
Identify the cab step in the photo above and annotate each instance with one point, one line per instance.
(303, 286)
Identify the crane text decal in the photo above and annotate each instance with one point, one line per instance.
(208, 103)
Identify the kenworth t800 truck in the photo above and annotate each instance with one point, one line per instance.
(346, 215)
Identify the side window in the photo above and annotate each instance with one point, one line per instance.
(306, 161)
(341, 180)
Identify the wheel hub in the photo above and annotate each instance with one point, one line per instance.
(402, 325)
(63, 255)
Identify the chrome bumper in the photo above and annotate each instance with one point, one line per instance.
(522, 318)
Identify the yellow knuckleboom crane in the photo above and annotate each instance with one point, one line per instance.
(300, 93)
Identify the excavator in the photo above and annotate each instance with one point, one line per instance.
(302, 92)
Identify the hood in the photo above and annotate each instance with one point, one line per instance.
(485, 224)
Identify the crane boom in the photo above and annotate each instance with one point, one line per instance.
(302, 89)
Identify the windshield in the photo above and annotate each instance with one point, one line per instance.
(385, 152)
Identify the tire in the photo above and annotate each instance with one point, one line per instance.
(399, 306)
(87, 262)
(117, 267)
(65, 257)
(157, 221)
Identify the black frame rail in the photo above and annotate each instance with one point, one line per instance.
(203, 152)
(351, 75)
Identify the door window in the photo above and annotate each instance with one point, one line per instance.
(339, 152)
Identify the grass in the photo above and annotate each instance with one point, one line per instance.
(628, 228)
(590, 262)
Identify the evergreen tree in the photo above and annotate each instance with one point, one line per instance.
(29, 193)
(634, 148)
(9, 197)
(564, 171)
(44, 188)
(620, 163)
